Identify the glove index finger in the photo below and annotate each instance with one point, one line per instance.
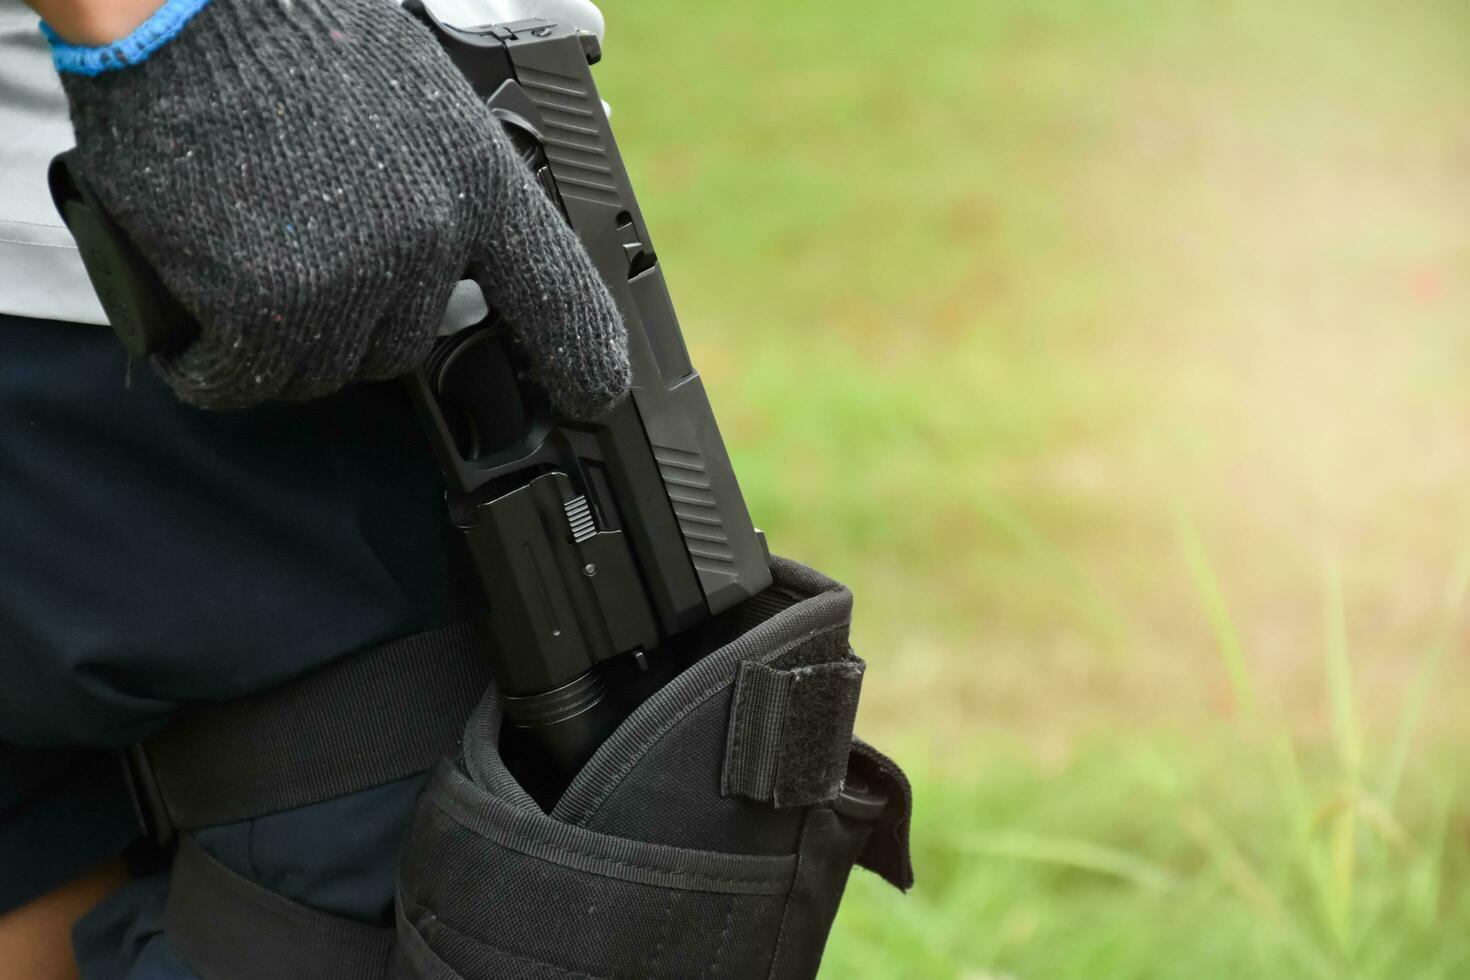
(534, 271)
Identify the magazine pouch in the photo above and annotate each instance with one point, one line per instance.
(710, 836)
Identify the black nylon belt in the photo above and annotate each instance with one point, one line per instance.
(228, 928)
(368, 719)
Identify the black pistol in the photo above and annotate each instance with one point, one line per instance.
(593, 541)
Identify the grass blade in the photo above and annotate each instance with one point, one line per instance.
(1251, 888)
(1424, 679)
(1343, 837)
(1227, 638)
(1072, 852)
(1090, 598)
(1340, 677)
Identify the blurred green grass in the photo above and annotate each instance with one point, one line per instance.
(1112, 352)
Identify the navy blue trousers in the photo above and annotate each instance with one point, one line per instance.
(152, 554)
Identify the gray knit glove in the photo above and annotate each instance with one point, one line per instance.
(311, 178)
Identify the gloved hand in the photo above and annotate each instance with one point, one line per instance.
(311, 178)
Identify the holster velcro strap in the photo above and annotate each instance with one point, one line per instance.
(228, 928)
(791, 732)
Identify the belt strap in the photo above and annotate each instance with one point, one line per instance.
(228, 928)
(368, 719)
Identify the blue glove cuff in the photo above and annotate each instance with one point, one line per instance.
(165, 24)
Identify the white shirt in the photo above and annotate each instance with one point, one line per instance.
(41, 272)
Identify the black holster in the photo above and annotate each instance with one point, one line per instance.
(710, 836)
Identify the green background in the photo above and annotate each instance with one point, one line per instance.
(1113, 352)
